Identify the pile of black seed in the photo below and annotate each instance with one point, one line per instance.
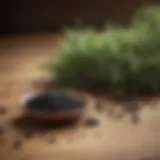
(55, 101)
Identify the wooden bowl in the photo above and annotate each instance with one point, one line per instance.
(73, 115)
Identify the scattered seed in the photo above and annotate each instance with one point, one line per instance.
(52, 140)
(16, 144)
(1, 131)
(91, 122)
(28, 134)
(3, 110)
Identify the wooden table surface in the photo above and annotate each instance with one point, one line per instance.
(113, 139)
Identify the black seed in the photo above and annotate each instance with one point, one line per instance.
(3, 110)
(28, 134)
(52, 140)
(16, 144)
(1, 131)
(91, 122)
(55, 102)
